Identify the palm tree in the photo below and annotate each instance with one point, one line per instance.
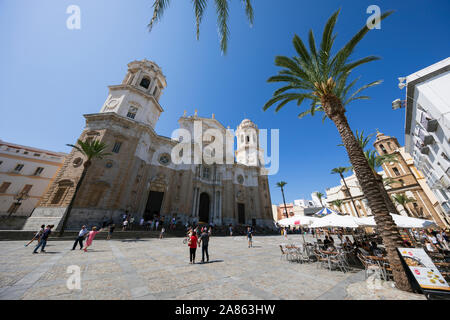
(91, 149)
(341, 171)
(222, 7)
(320, 196)
(281, 185)
(375, 162)
(403, 199)
(322, 77)
(338, 204)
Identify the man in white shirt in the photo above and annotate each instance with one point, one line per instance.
(80, 237)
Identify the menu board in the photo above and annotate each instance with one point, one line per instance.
(423, 269)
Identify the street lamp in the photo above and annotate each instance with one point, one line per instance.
(398, 104)
(19, 198)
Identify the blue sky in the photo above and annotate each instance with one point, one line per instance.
(50, 76)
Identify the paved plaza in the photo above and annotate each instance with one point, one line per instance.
(160, 269)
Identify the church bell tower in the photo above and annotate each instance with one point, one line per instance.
(138, 96)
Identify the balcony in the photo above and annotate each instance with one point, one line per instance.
(425, 150)
(426, 139)
(429, 124)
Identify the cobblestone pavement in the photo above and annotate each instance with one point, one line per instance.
(160, 269)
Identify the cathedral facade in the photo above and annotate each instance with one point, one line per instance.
(141, 175)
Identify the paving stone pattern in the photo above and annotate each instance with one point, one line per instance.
(160, 269)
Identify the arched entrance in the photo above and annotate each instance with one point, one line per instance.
(203, 211)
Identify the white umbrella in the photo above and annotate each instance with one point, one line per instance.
(335, 220)
(400, 221)
(297, 221)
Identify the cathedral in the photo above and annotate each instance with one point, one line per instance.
(143, 174)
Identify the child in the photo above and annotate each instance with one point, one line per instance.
(161, 235)
(91, 237)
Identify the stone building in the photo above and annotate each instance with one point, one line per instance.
(408, 181)
(143, 175)
(25, 174)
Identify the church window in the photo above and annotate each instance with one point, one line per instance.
(145, 83)
(248, 139)
(77, 162)
(383, 149)
(132, 112)
(116, 147)
(205, 173)
(59, 194)
(397, 173)
(164, 159)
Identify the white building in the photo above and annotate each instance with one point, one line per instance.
(427, 126)
(25, 174)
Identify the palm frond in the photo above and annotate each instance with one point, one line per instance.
(249, 10)
(199, 9)
(159, 7)
(222, 21)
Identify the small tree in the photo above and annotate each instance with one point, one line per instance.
(341, 171)
(403, 199)
(338, 204)
(281, 185)
(91, 149)
(320, 196)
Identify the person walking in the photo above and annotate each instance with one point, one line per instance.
(80, 238)
(43, 241)
(91, 237)
(204, 240)
(110, 231)
(37, 236)
(124, 225)
(250, 237)
(131, 222)
(231, 230)
(192, 243)
(161, 235)
(156, 224)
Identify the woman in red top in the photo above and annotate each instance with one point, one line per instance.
(192, 247)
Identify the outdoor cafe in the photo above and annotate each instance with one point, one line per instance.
(344, 243)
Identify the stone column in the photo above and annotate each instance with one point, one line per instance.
(136, 77)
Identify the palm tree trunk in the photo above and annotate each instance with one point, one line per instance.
(371, 189)
(350, 194)
(72, 201)
(284, 201)
(387, 199)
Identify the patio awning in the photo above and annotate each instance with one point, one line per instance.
(297, 221)
(335, 220)
(400, 221)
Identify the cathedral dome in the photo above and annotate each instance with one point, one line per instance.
(247, 123)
